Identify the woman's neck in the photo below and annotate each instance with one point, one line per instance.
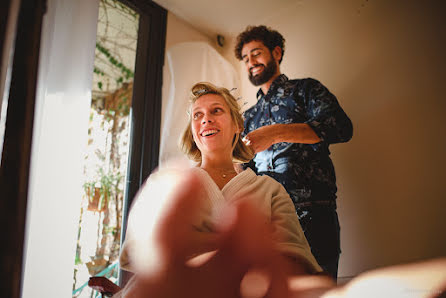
(217, 163)
(221, 171)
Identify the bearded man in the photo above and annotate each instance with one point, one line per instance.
(290, 129)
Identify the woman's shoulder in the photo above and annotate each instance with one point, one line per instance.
(267, 179)
(266, 182)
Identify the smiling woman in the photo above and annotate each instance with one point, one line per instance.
(211, 139)
(209, 104)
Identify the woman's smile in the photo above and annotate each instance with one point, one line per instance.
(213, 128)
(209, 132)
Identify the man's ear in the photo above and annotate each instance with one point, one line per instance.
(277, 53)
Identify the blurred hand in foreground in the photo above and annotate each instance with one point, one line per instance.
(243, 263)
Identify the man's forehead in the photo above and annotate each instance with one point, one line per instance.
(252, 46)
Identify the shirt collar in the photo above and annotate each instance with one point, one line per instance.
(277, 82)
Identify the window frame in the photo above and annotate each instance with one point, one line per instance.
(16, 151)
(146, 98)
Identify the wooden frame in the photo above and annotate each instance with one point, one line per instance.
(15, 160)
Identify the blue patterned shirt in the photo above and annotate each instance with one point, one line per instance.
(305, 170)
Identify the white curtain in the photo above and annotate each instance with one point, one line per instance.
(188, 63)
(59, 138)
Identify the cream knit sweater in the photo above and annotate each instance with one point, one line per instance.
(266, 193)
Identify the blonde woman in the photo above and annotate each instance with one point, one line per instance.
(212, 140)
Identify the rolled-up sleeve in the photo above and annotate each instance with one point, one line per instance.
(326, 117)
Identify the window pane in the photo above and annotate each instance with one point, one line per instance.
(108, 146)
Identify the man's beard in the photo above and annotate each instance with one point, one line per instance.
(267, 73)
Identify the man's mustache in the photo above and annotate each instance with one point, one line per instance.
(254, 66)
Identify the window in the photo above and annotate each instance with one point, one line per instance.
(14, 172)
(105, 163)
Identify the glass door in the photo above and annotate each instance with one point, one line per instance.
(107, 152)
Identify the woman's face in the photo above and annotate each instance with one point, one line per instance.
(213, 129)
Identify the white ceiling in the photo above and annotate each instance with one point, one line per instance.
(226, 17)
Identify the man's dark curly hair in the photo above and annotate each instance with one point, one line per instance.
(270, 38)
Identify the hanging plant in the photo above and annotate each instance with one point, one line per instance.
(99, 191)
(125, 71)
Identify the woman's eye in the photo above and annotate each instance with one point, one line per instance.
(217, 110)
(196, 116)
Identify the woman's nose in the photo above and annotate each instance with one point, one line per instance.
(207, 118)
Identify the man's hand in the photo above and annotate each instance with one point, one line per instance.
(261, 138)
(264, 137)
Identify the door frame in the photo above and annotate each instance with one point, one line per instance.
(16, 151)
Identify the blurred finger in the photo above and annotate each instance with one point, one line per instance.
(247, 251)
(255, 283)
(310, 285)
(161, 223)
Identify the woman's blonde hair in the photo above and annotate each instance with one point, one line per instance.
(241, 152)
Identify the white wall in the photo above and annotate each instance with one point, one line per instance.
(384, 60)
(190, 57)
(177, 32)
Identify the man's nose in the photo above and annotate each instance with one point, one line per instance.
(251, 63)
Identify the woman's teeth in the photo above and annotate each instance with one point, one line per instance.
(208, 132)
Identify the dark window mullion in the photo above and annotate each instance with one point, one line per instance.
(146, 101)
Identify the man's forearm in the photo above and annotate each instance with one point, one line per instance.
(265, 136)
(294, 133)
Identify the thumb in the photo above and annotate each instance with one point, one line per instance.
(161, 222)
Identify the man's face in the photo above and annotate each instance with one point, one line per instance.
(259, 62)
